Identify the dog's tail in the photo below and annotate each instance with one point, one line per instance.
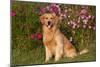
(84, 51)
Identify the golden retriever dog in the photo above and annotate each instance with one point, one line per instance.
(56, 44)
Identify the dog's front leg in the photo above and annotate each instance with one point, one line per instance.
(59, 48)
(48, 55)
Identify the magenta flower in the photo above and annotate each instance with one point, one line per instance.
(73, 24)
(39, 36)
(13, 13)
(54, 8)
(42, 10)
(83, 12)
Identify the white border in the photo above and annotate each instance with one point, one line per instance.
(82, 2)
(5, 33)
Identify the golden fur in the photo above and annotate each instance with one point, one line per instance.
(54, 41)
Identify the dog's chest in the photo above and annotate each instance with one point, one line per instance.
(49, 39)
(48, 36)
(49, 42)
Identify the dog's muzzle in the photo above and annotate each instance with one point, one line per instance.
(50, 24)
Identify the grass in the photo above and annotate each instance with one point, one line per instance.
(37, 56)
(26, 51)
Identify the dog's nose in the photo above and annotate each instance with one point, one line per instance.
(49, 22)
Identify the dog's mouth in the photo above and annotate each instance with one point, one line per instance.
(50, 24)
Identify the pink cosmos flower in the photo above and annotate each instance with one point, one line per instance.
(13, 13)
(89, 17)
(90, 27)
(73, 26)
(69, 16)
(47, 7)
(84, 26)
(66, 10)
(68, 23)
(85, 21)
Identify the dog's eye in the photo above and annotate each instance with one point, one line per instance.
(51, 18)
(46, 18)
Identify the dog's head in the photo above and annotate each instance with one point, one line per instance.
(49, 20)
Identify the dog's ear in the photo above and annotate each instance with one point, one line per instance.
(42, 19)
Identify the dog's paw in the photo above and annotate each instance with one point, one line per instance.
(56, 59)
(46, 61)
